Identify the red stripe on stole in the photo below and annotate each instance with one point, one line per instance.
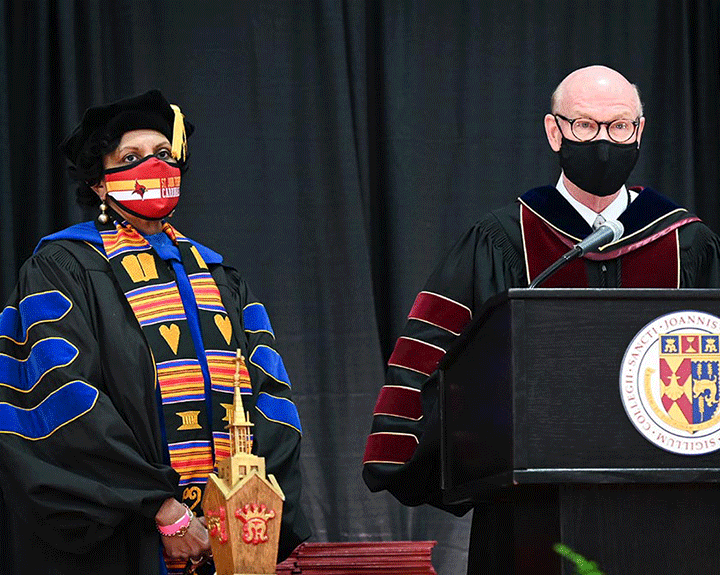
(192, 471)
(389, 448)
(192, 463)
(399, 402)
(192, 455)
(205, 293)
(205, 287)
(220, 374)
(222, 448)
(222, 371)
(416, 355)
(158, 308)
(161, 299)
(440, 311)
(165, 297)
(180, 380)
(121, 240)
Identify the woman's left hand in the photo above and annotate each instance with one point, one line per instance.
(194, 544)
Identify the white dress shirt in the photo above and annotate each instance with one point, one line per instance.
(612, 212)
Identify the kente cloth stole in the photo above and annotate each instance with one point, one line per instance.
(195, 413)
(542, 245)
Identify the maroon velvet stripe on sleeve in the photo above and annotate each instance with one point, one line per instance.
(416, 355)
(440, 311)
(399, 402)
(390, 448)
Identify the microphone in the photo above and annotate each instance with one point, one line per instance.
(609, 232)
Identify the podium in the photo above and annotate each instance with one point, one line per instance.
(537, 432)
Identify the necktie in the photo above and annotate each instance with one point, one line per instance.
(599, 220)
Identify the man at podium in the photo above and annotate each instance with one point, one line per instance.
(595, 127)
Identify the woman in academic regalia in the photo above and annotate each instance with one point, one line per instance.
(117, 356)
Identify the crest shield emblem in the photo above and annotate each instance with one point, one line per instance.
(689, 368)
(670, 382)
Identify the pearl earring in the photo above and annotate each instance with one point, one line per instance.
(103, 218)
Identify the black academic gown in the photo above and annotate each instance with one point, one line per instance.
(403, 450)
(81, 488)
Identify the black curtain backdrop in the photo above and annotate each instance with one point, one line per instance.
(341, 147)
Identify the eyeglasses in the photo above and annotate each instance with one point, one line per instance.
(585, 129)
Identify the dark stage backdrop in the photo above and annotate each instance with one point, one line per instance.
(341, 147)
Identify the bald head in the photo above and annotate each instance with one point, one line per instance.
(593, 87)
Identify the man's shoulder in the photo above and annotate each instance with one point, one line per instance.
(657, 202)
(650, 213)
(507, 217)
(501, 220)
(496, 229)
(507, 214)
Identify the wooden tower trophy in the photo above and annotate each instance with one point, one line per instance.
(242, 505)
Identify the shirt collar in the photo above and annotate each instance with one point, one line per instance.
(612, 212)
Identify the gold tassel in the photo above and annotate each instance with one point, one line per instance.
(179, 139)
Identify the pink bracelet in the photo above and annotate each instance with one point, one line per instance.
(180, 527)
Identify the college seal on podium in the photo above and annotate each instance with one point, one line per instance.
(669, 382)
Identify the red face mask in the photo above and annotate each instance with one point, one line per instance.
(148, 189)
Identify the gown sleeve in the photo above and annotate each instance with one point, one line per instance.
(277, 431)
(71, 467)
(402, 453)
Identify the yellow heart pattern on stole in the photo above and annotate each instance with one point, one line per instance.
(223, 324)
(171, 335)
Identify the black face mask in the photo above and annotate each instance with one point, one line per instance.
(599, 167)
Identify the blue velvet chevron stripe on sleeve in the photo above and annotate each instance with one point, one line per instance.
(21, 370)
(33, 310)
(279, 409)
(56, 410)
(269, 360)
(46, 355)
(256, 319)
